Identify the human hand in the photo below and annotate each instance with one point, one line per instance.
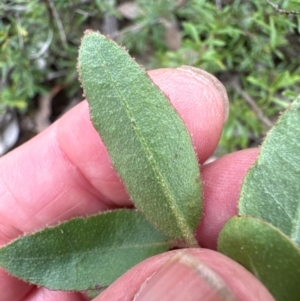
(66, 172)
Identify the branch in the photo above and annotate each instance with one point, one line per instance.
(260, 115)
(282, 11)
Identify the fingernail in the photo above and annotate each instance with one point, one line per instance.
(205, 76)
(185, 278)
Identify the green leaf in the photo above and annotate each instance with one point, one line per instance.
(84, 253)
(265, 251)
(271, 189)
(147, 140)
(192, 31)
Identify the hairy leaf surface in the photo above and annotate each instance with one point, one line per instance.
(146, 139)
(271, 189)
(265, 251)
(84, 253)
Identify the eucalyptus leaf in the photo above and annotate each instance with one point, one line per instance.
(84, 253)
(265, 251)
(271, 188)
(147, 140)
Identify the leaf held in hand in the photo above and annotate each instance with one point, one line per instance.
(265, 251)
(271, 189)
(146, 139)
(84, 253)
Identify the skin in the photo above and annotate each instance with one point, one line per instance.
(65, 172)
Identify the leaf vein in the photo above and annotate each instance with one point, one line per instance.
(175, 209)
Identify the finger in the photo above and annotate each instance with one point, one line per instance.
(222, 181)
(65, 171)
(196, 274)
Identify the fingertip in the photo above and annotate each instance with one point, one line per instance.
(211, 82)
(201, 101)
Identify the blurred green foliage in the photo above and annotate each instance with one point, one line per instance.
(249, 46)
(39, 44)
(19, 70)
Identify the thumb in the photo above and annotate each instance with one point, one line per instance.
(194, 274)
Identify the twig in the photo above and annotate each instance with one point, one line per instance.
(42, 116)
(260, 115)
(282, 11)
(58, 23)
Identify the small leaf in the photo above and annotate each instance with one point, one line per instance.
(271, 189)
(147, 140)
(84, 253)
(265, 251)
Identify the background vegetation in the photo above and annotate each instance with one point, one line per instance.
(251, 47)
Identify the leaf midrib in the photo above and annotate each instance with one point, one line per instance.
(96, 250)
(149, 155)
